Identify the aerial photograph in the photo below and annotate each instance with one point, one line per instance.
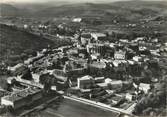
(83, 58)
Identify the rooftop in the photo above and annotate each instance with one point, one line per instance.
(21, 94)
(98, 34)
(98, 64)
(87, 77)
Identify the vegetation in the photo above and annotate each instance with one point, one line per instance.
(17, 45)
(3, 82)
(152, 103)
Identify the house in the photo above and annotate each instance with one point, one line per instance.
(25, 26)
(139, 39)
(95, 56)
(77, 20)
(115, 84)
(36, 77)
(129, 96)
(85, 82)
(144, 87)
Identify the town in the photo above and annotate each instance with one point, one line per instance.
(125, 74)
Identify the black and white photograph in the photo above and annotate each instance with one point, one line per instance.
(83, 58)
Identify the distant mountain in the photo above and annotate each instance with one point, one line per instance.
(130, 10)
(39, 6)
(67, 10)
(124, 10)
(12, 11)
(8, 10)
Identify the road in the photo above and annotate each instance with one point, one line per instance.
(70, 108)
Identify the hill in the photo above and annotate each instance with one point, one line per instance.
(9, 10)
(128, 10)
(14, 42)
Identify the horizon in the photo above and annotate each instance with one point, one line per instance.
(69, 1)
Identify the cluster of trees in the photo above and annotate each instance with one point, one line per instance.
(133, 34)
(17, 44)
(3, 69)
(149, 103)
(14, 59)
(3, 82)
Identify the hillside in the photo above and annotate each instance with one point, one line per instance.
(129, 10)
(14, 42)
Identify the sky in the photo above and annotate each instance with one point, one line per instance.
(42, 1)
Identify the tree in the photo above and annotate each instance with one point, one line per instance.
(30, 52)
(23, 56)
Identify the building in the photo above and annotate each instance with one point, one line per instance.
(139, 39)
(77, 20)
(99, 79)
(120, 55)
(134, 47)
(134, 68)
(85, 82)
(60, 75)
(137, 58)
(85, 37)
(97, 68)
(15, 67)
(115, 84)
(96, 48)
(129, 96)
(22, 98)
(99, 36)
(77, 72)
(103, 85)
(144, 87)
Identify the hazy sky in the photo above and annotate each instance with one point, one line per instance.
(37, 1)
